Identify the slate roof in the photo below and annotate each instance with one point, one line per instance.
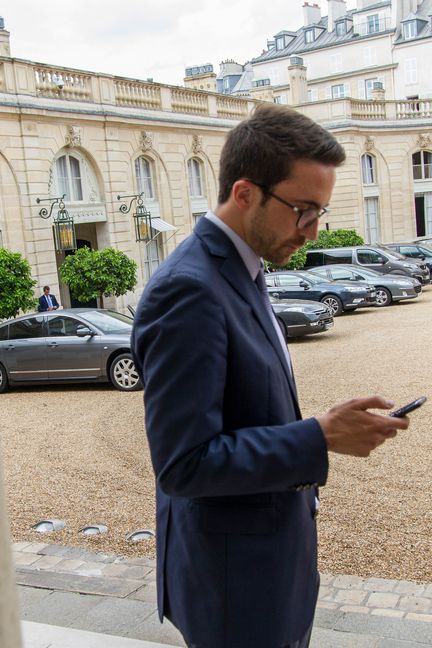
(424, 12)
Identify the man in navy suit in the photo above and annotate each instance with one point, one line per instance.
(47, 301)
(237, 470)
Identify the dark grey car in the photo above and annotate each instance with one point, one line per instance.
(389, 288)
(68, 346)
(302, 317)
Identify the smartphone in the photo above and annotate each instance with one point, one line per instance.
(406, 409)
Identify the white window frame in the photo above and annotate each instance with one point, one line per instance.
(373, 23)
(341, 28)
(196, 178)
(309, 36)
(312, 94)
(151, 257)
(372, 225)
(369, 86)
(425, 165)
(280, 43)
(144, 177)
(67, 181)
(338, 91)
(410, 29)
(369, 56)
(368, 165)
(410, 68)
(336, 62)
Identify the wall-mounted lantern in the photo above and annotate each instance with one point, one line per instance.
(64, 228)
(142, 217)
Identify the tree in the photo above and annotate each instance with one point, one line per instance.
(97, 273)
(16, 284)
(326, 239)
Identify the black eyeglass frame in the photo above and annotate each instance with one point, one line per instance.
(297, 210)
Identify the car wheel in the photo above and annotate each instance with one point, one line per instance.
(123, 374)
(3, 379)
(383, 297)
(334, 303)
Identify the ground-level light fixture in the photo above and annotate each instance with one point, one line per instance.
(47, 526)
(64, 228)
(140, 534)
(93, 529)
(142, 216)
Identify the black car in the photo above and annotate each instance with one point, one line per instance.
(420, 251)
(305, 285)
(68, 346)
(301, 317)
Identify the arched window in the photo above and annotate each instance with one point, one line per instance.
(69, 177)
(144, 176)
(369, 169)
(422, 165)
(195, 172)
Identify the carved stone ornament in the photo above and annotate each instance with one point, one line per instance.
(73, 137)
(424, 140)
(197, 142)
(369, 143)
(146, 141)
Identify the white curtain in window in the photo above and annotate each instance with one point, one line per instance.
(62, 180)
(75, 175)
(68, 171)
(372, 220)
(143, 172)
(195, 179)
(368, 169)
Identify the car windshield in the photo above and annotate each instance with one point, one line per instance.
(392, 253)
(109, 321)
(314, 278)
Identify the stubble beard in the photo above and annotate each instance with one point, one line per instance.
(265, 243)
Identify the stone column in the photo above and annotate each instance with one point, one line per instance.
(10, 636)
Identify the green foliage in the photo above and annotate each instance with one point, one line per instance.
(16, 285)
(326, 239)
(94, 273)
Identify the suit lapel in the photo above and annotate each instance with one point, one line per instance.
(236, 274)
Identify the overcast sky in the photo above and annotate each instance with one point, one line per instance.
(146, 38)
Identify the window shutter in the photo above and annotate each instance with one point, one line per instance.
(361, 89)
(328, 92)
(347, 88)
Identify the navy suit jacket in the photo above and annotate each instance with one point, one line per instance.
(236, 469)
(43, 303)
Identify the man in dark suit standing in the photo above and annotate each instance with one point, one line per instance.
(237, 469)
(47, 301)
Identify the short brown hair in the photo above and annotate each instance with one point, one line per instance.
(264, 146)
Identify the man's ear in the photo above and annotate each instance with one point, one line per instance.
(243, 194)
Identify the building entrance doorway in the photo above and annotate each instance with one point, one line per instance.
(92, 303)
(423, 209)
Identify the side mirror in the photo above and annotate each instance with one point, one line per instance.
(304, 284)
(381, 259)
(421, 256)
(84, 331)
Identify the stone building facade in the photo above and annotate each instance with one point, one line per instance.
(94, 137)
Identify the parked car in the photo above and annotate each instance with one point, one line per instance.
(305, 285)
(389, 288)
(68, 346)
(302, 317)
(419, 251)
(375, 257)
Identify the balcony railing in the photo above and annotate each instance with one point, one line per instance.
(372, 27)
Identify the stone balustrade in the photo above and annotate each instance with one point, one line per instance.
(21, 77)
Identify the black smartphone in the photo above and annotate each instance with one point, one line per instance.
(406, 409)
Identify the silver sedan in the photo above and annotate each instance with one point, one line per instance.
(68, 346)
(389, 287)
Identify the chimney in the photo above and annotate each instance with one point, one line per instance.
(336, 9)
(297, 80)
(4, 40)
(311, 14)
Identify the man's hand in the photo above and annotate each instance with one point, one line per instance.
(350, 429)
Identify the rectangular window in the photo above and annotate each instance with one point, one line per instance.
(144, 177)
(341, 28)
(369, 56)
(411, 70)
(313, 94)
(368, 169)
(410, 30)
(373, 25)
(77, 193)
(195, 182)
(280, 43)
(369, 86)
(28, 328)
(309, 36)
(62, 177)
(371, 222)
(338, 91)
(336, 63)
(151, 257)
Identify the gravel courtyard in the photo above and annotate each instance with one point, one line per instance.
(79, 453)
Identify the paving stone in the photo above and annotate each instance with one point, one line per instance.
(385, 627)
(415, 604)
(91, 569)
(154, 630)
(382, 600)
(379, 584)
(30, 595)
(35, 547)
(428, 591)
(351, 597)
(326, 579)
(427, 618)
(47, 562)
(327, 605)
(348, 582)
(324, 638)
(24, 559)
(115, 616)
(325, 591)
(68, 565)
(19, 546)
(137, 572)
(145, 562)
(394, 643)
(147, 593)
(357, 609)
(82, 584)
(396, 614)
(60, 608)
(327, 618)
(406, 587)
(115, 569)
(56, 550)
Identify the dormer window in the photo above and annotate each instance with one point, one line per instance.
(373, 24)
(341, 28)
(410, 29)
(282, 40)
(280, 43)
(309, 35)
(260, 82)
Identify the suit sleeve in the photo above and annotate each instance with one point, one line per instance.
(180, 348)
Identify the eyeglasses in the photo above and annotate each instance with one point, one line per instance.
(305, 217)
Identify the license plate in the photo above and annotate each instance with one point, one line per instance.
(328, 325)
